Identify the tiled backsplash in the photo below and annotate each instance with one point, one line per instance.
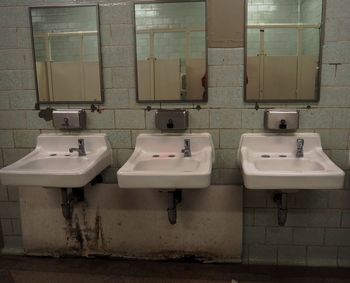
(318, 226)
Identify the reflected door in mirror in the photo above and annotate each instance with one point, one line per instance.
(66, 51)
(283, 50)
(171, 51)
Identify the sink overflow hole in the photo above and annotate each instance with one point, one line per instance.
(265, 156)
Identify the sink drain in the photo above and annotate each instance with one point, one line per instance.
(171, 155)
(155, 155)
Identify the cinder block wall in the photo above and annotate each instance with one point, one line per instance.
(318, 228)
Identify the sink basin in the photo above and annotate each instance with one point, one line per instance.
(269, 161)
(158, 163)
(52, 165)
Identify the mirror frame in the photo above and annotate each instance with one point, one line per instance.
(98, 50)
(205, 98)
(319, 72)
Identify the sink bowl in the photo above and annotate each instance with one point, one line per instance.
(269, 161)
(158, 163)
(52, 165)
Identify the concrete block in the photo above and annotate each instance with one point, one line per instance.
(13, 194)
(252, 119)
(119, 138)
(3, 193)
(6, 138)
(345, 222)
(313, 218)
(9, 210)
(229, 138)
(340, 119)
(130, 119)
(103, 120)
(113, 56)
(4, 100)
(107, 78)
(35, 122)
(119, 13)
(116, 98)
(322, 256)
(248, 216)
(344, 257)
(225, 97)
(16, 226)
(253, 198)
(228, 119)
(22, 99)
(12, 243)
(339, 199)
(225, 158)
(311, 199)
(308, 236)
(123, 156)
(291, 255)
(279, 235)
(226, 76)
(337, 237)
(198, 119)
(254, 235)
(12, 155)
(26, 138)
(6, 226)
(265, 217)
(123, 77)
(262, 254)
(225, 56)
(334, 138)
(122, 35)
(12, 119)
(316, 118)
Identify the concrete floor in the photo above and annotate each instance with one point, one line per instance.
(19, 269)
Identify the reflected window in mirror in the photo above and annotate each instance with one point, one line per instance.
(66, 48)
(171, 51)
(283, 39)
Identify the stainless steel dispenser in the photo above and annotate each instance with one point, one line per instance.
(171, 120)
(69, 119)
(281, 120)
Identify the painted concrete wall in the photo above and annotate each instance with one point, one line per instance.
(318, 226)
(134, 223)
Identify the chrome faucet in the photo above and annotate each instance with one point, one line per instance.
(187, 150)
(300, 148)
(80, 149)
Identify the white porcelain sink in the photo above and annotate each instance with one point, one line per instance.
(158, 163)
(52, 165)
(269, 161)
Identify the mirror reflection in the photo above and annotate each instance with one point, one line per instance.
(66, 52)
(171, 51)
(283, 50)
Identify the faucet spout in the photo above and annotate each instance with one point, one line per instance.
(80, 149)
(187, 148)
(300, 148)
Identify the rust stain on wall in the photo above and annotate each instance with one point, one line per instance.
(84, 234)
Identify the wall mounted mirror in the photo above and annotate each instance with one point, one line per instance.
(171, 51)
(66, 47)
(283, 54)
